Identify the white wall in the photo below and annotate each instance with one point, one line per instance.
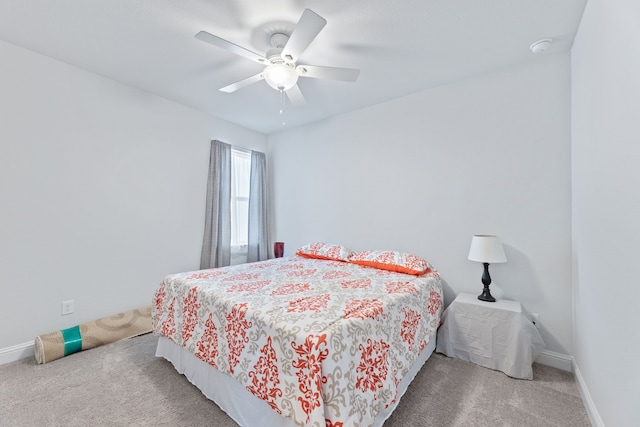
(424, 173)
(606, 207)
(102, 191)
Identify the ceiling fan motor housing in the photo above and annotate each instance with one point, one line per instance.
(279, 41)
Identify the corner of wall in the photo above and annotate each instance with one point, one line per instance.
(589, 405)
(568, 363)
(555, 360)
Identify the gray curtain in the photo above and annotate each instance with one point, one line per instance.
(216, 244)
(258, 234)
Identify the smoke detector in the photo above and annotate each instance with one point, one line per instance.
(540, 46)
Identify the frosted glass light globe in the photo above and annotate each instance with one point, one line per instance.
(280, 76)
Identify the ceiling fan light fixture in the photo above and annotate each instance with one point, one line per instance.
(280, 76)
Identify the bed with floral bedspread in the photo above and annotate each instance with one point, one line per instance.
(322, 342)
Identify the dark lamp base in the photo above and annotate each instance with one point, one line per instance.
(486, 296)
(486, 281)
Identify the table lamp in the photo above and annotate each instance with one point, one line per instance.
(486, 249)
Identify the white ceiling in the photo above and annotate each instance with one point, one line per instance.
(400, 46)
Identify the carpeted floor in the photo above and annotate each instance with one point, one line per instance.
(124, 384)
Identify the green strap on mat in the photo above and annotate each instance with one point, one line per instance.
(72, 340)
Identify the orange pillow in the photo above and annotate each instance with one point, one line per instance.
(393, 261)
(326, 251)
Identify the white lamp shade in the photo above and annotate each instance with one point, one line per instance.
(280, 76)
(486, 248)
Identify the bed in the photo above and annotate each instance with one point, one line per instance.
(299, 341)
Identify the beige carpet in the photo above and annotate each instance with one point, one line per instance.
(124, 384)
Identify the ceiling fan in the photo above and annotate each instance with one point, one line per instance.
(282, 71)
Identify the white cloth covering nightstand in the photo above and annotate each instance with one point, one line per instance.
(497, 335)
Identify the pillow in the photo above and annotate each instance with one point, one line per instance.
(393, 261)
(326, 251)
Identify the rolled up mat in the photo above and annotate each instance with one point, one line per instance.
(54, 345)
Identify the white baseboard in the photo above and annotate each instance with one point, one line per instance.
(592, 412)
(555, 360)
(568, 363)
(16, 352)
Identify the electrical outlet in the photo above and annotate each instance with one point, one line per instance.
(67, 307)
(535, 318)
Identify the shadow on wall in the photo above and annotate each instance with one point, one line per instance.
(519, 277)
(449, 293)
(519, 281)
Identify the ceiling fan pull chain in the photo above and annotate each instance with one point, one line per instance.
(282, 101)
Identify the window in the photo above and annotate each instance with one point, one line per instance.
(236, 224)
(240, 179)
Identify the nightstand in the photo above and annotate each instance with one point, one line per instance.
(498, 335)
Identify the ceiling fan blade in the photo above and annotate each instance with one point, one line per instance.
(307, 28)
(331, 73)
(295, 96)
(231, 47)
(242, 83)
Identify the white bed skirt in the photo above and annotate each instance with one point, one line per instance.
(240, 404)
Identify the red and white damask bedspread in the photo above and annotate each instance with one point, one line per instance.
(324, 343)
